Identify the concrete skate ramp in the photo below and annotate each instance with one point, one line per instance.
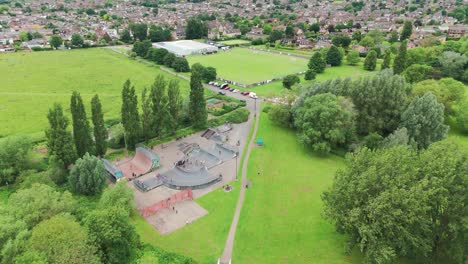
(224, 152)
(143, 162)
(201, 156)
(148, 184)
(178, 178)
(115, 172)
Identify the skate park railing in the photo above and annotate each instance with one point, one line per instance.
(185, 195)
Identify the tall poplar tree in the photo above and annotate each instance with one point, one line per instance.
(407, 30)
(81, 130)
(317, 63)
(100, 131)
(197, 106)
(59, 140)
(174, 104)
(158, 90)
(147, 114)
(399, 64)
(386, 60)
(130, 117)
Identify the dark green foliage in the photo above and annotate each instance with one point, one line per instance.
(59, 140)
(397, 191)
(310, 75)
(147, 117)
(357, 35)
(139, 31)
(169, 59)
(159, 103)
(63, 240)
(275, 35)
(125, 37)
(386, 60)
(454, 65)
(77, 40)
(57, 172)
(197, 105)
(55, 41)
(157, 55)
(100, 131)
(317, 63)
(424, 119)
(81, 130)
(174, 104)
(130, 116)
(88, 176)
(379, 100)
(407, 30)
(399, 64)
(118, 196)
(353, 57)
(158, 34)
(110, 230)
(323, 123)
(290, 80)
(371, 61)
(180, 65)
(334, 56)
(416, 73)
(209, 74)
(196, 29)
(14, 157)
(372, 141)
(462, 117)
(280, 114)
(141, 48)
(399, 137)
(341, 41)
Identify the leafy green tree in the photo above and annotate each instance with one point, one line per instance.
(38, 203)
(158, 92)
(424, 119)
(310, 75)
(315, 27)
(323, 123)
(341, 41)
(289, 31)
(59, 140)
(407, 30)
(77, 40)
(281, 114)
(130, 116)
(209, 74)
(114, 235)
(99, 129)
(393, 36)
(399, 64)
(63, 240)
(397, 138)
(157, 33)
(275, 35)
(195, 29)
(174, 104)
(81, 130)
(462, 116)
(157, 55)
(147, 117)
(119, 196)
(397, 191)
(416, 73)
(141, 48)
(14, 157)
(334, 56)
(31, 257)
(169, 59)
(180, 65)
(379, 101)
(371, 61)
(367, 42)
(88, 176)
(139, 31)
(448, 91)
(353, 57)
(357, 35)
(453, 64)
(386, 60)
(267, 29)
(15, 247)
(56, 171)
(290, 80)
(55, 41)
(125, 37)
(197, 104)
(317, 63)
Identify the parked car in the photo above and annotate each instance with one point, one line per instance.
(216, 84)
(222, 93)
(235, 91)
(231, 90)
(224, 85)
(244, 93)
(211, 83)
(253, 95)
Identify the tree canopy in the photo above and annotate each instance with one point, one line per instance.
(88, 176)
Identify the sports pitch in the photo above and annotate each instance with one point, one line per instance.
(32, 82)
(247, 66)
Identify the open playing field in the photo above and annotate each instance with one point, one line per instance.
(32, 82)
(281, 219)
(234, 42)
(246, 66)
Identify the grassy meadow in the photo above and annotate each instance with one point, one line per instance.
(246, 66)
(234, 42)
(32, 82)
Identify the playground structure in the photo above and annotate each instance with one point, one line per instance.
(142, 163)
(115, 173)
(217, 134)
(166, 203)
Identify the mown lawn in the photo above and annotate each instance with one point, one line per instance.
(246, 66)
(234, 42)
(202, 240)
(32, 82)
(281, 220)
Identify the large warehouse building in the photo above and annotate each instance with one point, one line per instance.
(186, 47)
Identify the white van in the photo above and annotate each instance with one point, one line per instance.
(253, 95)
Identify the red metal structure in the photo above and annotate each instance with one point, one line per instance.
(167, 203)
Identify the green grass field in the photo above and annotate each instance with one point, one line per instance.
(281, 219)
(234, 42)
(32, 82)
(246, 66)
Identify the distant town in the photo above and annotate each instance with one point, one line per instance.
(299, 24)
